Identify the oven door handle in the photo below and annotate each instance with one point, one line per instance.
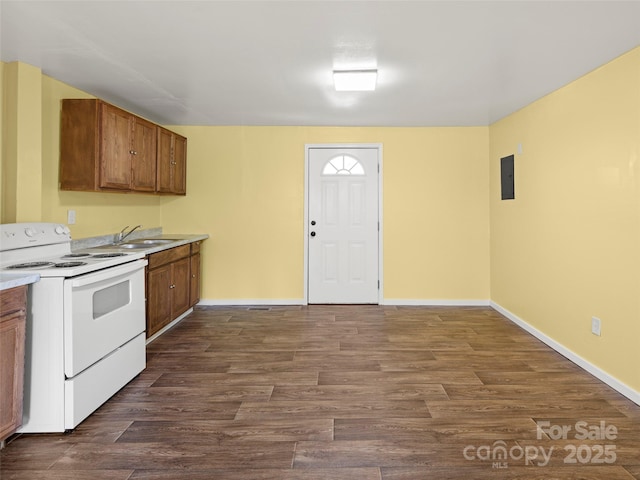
(108, 273)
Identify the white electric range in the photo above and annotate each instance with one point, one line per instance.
(85, 323)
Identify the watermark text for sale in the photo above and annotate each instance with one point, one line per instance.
(599, 446)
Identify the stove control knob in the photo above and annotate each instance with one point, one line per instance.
(60, 230)
(30, 232)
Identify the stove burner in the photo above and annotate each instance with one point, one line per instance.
(69, 264)
(108, 255)
(30, 265)
(76, 255)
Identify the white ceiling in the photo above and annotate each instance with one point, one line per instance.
(267, 62)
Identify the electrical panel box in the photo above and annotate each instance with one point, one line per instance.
(506, 178)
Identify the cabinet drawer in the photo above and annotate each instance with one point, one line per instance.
(195, 247)
(167, 256)
(13, 299)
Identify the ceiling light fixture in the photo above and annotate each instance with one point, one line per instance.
(355, 80)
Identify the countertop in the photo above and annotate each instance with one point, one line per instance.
(104, 244)
(11, 280)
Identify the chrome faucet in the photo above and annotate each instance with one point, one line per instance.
(122, 235)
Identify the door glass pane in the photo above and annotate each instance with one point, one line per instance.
(343, 165)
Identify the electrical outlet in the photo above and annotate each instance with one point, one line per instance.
(71, 217)
(595, 326)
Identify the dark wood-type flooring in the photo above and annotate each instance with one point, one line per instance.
(346, 392)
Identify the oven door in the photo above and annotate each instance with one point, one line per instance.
(102, 311)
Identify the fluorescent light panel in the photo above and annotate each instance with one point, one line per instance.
(355, 80)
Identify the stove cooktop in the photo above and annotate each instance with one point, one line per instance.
(70, 264)
(45, 249)
(63, 264)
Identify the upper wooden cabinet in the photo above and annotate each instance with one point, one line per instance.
(105, 148)
(172, 162)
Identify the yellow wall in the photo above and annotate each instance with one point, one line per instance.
(9, 147)
(21, 143)
(246, 189)
(2, 143)
(568, 247)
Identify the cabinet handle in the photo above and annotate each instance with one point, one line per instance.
(172, 286)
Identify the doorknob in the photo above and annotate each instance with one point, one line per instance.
(313, 234)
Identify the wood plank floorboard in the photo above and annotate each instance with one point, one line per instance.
(219, 432)
(369, 473)
(335, 392)
(358, 393)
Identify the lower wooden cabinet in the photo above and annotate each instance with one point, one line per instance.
(13, 319)
(173, 285)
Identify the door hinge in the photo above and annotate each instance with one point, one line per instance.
(378, 284)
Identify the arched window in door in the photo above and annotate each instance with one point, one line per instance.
(343, 165)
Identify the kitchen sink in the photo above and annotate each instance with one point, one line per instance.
(137, 244)
(113, 246)
(132, 245)
(150, 241)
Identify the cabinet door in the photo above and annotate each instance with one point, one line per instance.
(194, 290)
(115, 147)
(165, 140)
(179, 181)
(180, 290)
(143, 161)
(12, 335)
(158, 298)
(79, 145)
(172, 162)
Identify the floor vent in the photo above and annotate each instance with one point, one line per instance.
(259, 308)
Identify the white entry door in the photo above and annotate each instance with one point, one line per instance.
(343, 225)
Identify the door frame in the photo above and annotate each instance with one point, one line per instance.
(307, 148)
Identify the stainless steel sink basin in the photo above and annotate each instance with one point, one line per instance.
(109, 246)
(132, 245)
(150, 241)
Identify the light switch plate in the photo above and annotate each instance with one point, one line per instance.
(595, 326)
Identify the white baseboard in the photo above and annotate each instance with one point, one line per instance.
(613, 382)
(386, 301)
(435, 302)
(229, 302)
